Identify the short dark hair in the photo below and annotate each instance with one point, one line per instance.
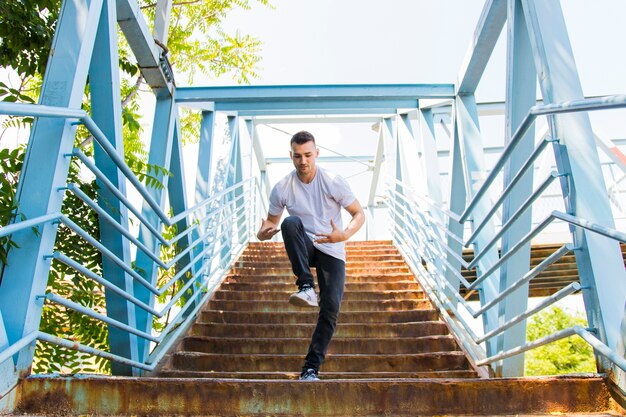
(302, 137)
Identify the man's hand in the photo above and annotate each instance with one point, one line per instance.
(267, 230)
(336, 235)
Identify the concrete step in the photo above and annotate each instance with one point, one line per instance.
(374, 330)
(372, 256)
(433, 361)
(348, 296)
(346, 305)
(342, 345)
(293, 317)
(125, 396)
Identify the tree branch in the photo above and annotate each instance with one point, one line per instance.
(133, 92)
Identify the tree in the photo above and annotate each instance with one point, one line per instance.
(565, 356)
(196, 42)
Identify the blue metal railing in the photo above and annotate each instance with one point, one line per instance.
(417, 230)
(210, 251)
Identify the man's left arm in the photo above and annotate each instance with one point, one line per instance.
(338, 235)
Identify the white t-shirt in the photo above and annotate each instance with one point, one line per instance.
(315, 204)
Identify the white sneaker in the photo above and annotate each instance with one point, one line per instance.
(305, 297)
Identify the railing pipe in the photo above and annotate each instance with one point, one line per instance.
(114, 223)
(562, 293)
(601, 103)
(431, 290)
(594, 227)
(17, 347)
(94, 314)
(121, 165)
(110, 255)
(436, 206)
(518, 213)
(554, 257)
(118, 194)
(512, 251)
(25, 224)
(100, 280)
(208, 200)
(587, 336)
(71, 344)
(453, 290)
(405, 218)
(540, 147)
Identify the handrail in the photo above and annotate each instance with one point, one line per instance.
(600, 103)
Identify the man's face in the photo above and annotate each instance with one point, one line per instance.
(303, 157)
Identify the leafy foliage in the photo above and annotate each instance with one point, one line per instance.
(565, 356)
(197, 43)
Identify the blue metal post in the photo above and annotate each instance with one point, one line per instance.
(203, 171)
(106, 112)
(45, 171)
(178, 201)
(430, 171)
(520, 97)
(234, 163)
(160, 155)
(475, 173)
(600, 263)
(458, 196)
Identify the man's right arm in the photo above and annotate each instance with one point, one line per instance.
(268, 227)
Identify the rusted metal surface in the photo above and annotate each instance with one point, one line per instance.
(150, 396)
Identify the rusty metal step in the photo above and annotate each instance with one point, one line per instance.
(350, 278)
(376, 330)
(348, 296)
(346, 305)
(294, 317)
(296, 346)
(434, 361)
(324, 376)
(371, 270)
(350, 286)
(125, 396)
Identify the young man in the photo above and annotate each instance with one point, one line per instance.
(314, 236)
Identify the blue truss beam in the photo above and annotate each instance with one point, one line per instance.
(485, 38)
(262, 94)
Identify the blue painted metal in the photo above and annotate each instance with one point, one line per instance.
(261, 94)
(178, 203)
(599, 260)
(106, 113)
(488, 30)
(457, 201)
(160, 155)
(320, 106)
(471, 151)
(26, 272)
(521, 91)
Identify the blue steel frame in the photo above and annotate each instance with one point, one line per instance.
(214, 230)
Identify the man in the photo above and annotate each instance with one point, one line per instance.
(314, 237)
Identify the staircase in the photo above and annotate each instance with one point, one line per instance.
(386, 329)
(391, 355)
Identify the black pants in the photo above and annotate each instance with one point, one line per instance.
(331, 277)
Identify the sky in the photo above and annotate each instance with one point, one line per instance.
(406, 41)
